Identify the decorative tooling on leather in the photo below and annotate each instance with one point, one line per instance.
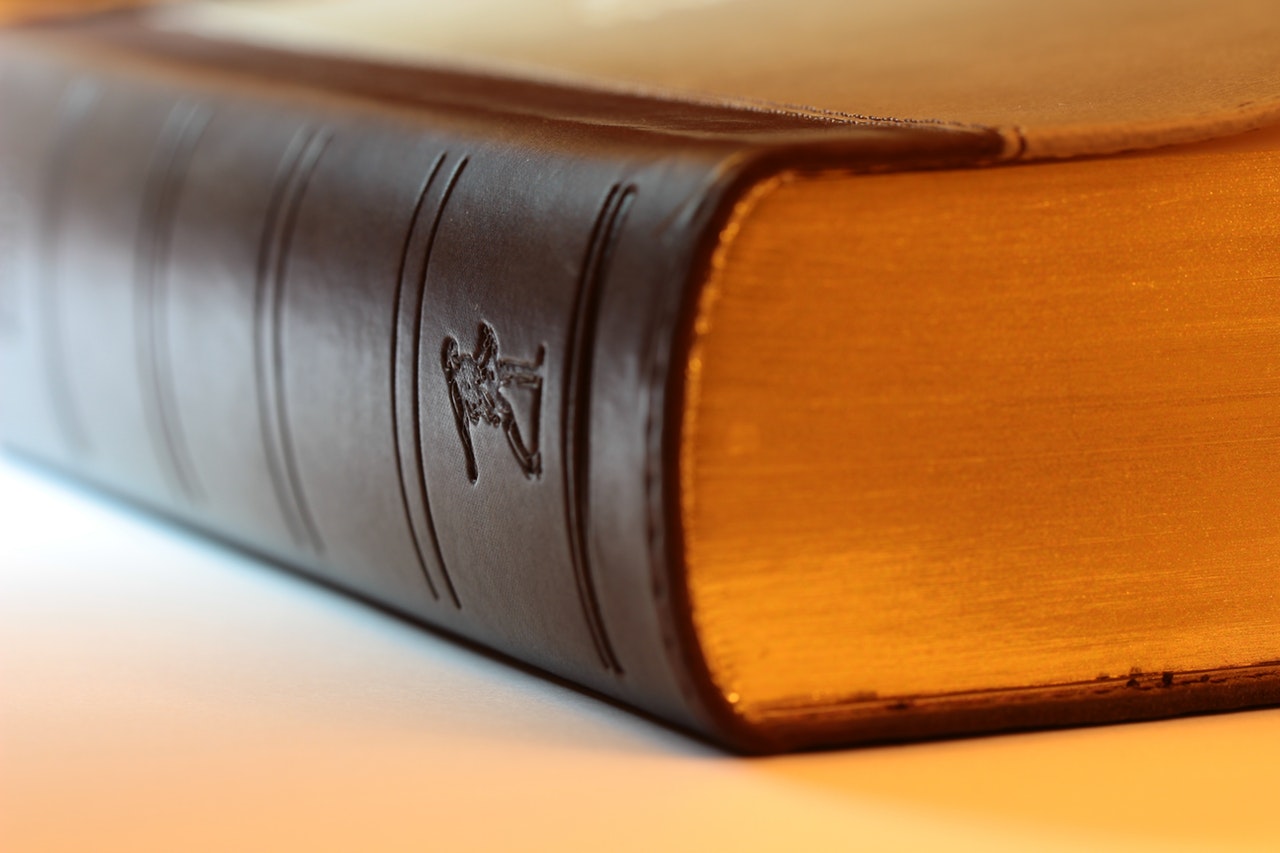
(295, 170)
(178, 139)
(479, 382)
(576, 418)
(406, 349)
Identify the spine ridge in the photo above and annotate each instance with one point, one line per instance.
(577, 408)
(294, 173)
(181, 133)
(417, 359)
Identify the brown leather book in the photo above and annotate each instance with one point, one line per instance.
(798, 375)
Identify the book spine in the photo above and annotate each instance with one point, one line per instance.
(416, 353)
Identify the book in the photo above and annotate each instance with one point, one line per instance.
(791, 425)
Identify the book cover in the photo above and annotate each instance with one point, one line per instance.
(440, 312)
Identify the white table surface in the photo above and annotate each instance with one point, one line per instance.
(158, 692)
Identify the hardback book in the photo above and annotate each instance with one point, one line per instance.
(799, 374)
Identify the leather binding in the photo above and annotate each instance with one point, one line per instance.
(262, 293)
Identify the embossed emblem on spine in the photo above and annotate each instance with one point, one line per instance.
(479, 382)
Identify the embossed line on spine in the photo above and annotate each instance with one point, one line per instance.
(576, 413)
(418, 355)
(290, 185)
(178, 139)
(397, 371)
(74, 111)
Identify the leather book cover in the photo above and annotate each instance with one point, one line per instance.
(407, 313)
